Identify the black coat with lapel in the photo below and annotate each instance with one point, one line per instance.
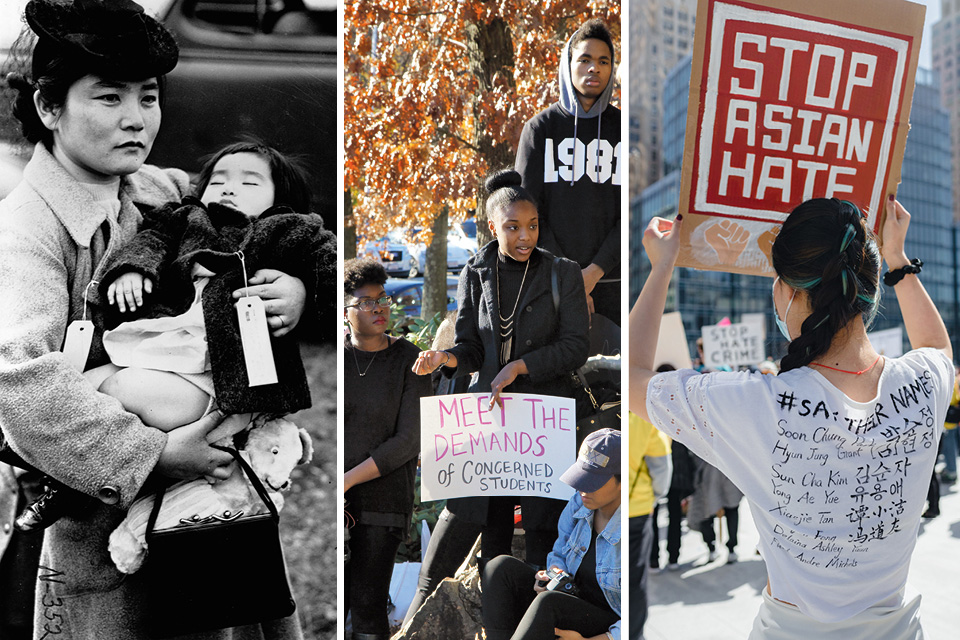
(551, 341)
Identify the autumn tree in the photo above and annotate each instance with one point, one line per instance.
(436, 95)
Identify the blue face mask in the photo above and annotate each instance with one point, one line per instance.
(782, 324)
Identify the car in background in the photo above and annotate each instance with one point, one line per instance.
(394, 253)
(407, 294)
(401, 257)
(266, 68)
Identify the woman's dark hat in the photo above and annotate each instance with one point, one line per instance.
(115, 38)
(597, 462)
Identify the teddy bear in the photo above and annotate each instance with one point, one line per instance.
(272, 448)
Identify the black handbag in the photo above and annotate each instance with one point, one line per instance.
(598, 416)
(215, 575)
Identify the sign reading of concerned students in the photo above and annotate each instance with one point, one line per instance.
(791, 101)
(468, 449)
(733, 344)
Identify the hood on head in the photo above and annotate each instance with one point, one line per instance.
(568, 94)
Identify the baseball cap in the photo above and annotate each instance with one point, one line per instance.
(597, 461)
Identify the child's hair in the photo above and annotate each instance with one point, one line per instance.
(825, 249)
(503, 189)
(359, 272)
(592, 29)
(290, 182)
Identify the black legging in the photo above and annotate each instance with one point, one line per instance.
(449, 545)
(373, 550)
(453, 537)
(732, 514)
(512, 610)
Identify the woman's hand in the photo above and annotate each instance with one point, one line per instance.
(661, 240)
(127, 291)
(540, 577)
(188, 455)
(429, 361)
(895, 234)
(283, 298)
(506, 377)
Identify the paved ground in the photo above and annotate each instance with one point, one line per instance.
(718, 601)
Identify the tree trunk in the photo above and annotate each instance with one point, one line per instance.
(435, 272)
(490, 50)
(349, 228)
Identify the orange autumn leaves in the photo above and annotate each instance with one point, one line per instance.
(436, 94)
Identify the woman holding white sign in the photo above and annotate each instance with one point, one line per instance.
(515, 329)
(824, 456)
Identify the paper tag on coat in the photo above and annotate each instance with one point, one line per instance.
(255, 340)
(76, 346)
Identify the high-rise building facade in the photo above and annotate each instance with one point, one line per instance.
(945, 38)
(661, 34)
(705, 297)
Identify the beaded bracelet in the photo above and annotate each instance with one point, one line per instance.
(892, 277)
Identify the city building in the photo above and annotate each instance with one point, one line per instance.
(661, 34)
(706, 297)
(945, 53)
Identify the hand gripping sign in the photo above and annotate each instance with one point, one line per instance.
(521, 449)
(791, 101)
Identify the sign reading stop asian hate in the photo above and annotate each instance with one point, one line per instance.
(520, 449)
(791, 101)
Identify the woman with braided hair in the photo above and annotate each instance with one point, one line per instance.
(836, 452)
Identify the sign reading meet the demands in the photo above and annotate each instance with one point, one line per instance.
(791, 101)
(733, 344)
(468, 449)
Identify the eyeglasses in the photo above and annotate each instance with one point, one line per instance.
(370, 305)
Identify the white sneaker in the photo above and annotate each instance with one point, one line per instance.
(673, 566)
(712, 556)
(732, 557)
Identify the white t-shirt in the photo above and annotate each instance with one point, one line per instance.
(836, 487)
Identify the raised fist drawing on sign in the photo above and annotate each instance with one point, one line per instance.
(766, 240)
(728, 239)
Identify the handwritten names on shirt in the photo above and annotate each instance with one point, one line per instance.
(839, 473)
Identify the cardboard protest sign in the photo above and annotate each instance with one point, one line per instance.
(467, 449)
(733, 344)
(888, 342)
(791, 101)
(672, 343)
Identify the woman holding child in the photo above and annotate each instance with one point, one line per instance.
(837, 551)
(91, 103)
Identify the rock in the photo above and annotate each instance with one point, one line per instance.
(452, 612)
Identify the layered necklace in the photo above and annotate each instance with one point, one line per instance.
(506, 323)
(369, 364)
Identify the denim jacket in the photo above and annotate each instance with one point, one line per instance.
(575, 527)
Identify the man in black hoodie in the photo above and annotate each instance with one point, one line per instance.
(569, 156)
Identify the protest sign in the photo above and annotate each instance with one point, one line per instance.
(733, 344)
(888, 342)
(521, 449)
(672, 343)
(790, 101)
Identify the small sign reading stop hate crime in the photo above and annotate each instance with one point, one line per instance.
(520, 449)
(733, 345)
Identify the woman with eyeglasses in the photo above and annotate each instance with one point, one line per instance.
(382, 427)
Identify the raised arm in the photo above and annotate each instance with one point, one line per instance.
(661, 240)
(923, 323)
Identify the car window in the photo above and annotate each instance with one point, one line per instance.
(407, 298)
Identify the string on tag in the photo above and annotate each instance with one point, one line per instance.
(243, 265)
(86, 293)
